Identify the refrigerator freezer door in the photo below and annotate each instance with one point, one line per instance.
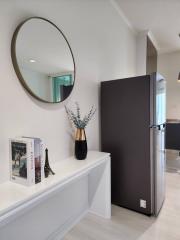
(159, 144)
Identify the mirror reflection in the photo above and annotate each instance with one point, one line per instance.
(43, 60)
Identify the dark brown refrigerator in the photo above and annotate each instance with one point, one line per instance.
(132, 130)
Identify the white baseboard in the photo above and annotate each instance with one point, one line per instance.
(100, 215)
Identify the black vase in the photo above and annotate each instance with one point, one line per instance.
(80, 144)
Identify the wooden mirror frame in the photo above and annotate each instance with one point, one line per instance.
(15, 63)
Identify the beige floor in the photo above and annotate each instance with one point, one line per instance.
(128, 225)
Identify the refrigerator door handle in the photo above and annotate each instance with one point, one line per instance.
(155, 126)
(158, 126)
(163, 126)
(152, 126)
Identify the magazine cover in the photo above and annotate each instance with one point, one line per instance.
(21, 161)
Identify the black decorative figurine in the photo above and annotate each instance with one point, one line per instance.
(47, 168)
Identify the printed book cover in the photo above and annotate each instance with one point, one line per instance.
(21, 161)
(38, 158)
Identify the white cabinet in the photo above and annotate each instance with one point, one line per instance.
(49, 209)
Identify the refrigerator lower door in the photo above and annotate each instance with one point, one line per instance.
(159, 188)
(159, 142)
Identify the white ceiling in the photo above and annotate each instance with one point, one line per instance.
(161, 17)
(42, 42)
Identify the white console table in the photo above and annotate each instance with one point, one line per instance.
(48, 210)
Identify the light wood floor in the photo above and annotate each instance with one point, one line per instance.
(128, 225)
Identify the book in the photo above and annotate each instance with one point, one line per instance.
(38, 159)
(42, 154)
(22, 165)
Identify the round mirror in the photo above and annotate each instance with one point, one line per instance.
(43, 60)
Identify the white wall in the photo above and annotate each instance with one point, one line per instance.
(103, 47)
(169, 67)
